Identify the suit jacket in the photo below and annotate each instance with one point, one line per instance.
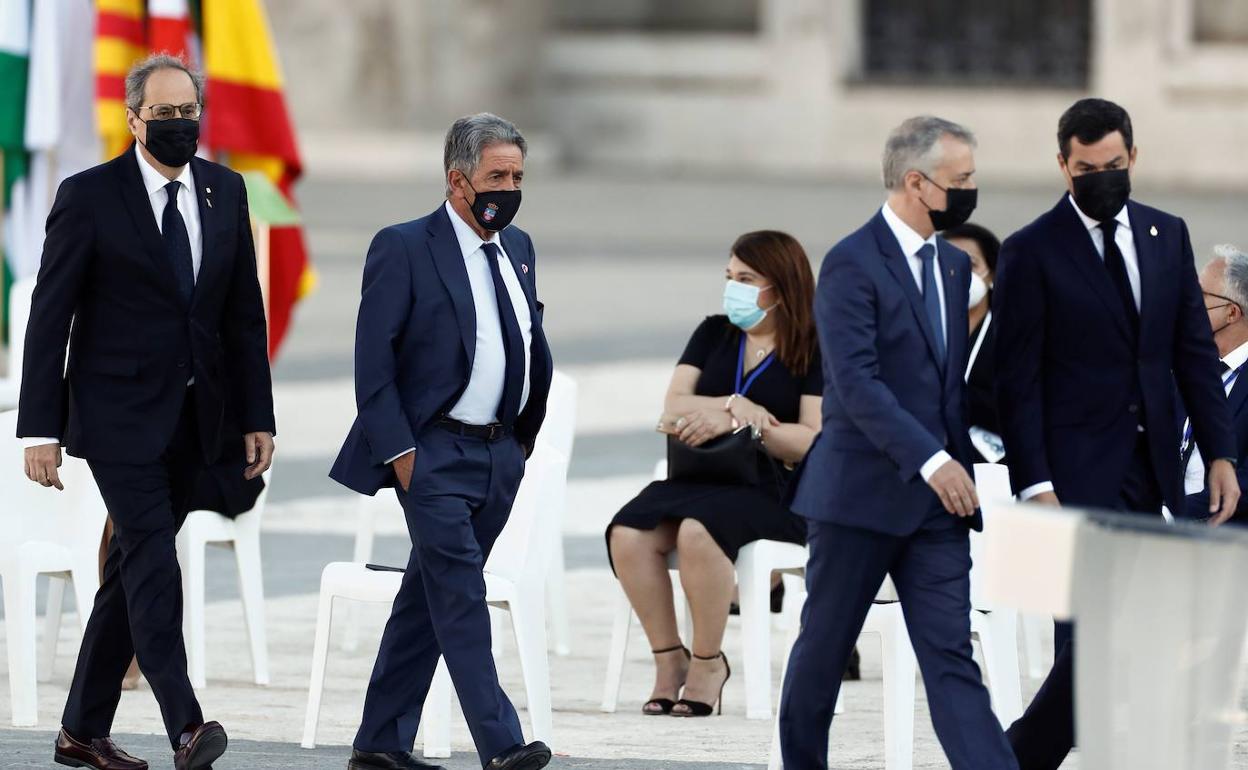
(415, 342)
(888, 405)
(1237, 401)
(1073, 382)
(134, 342)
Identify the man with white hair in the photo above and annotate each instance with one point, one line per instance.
(1224, 283)
(451, 376)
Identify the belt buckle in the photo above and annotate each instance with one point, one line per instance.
(495, 431)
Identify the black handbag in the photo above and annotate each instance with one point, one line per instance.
(729, 459)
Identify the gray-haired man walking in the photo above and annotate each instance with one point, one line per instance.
(451, 376)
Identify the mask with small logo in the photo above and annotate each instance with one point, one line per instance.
(741, 305)
(494, 209)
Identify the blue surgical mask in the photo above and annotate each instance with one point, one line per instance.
(741, 304)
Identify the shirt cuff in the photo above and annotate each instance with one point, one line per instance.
(400, 454)
(1036, 489)
(39, 441)
(933, 464)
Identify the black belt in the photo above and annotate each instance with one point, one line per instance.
(492, 432)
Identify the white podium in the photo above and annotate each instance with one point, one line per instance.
(1162, 612)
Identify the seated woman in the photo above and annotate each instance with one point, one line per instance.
(757, 366)
(982, 246)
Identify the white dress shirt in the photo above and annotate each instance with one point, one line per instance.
(1194, 473)
(1126, 245)
(910, 243)
(188, 206)
(480, 400)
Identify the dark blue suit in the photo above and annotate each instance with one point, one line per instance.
(123, 403)
(1237, 401)
(889, 405)
(1076, 382)
(415, 343)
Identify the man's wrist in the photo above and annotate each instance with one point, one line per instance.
(1230, 460)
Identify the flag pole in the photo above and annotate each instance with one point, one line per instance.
(262, 234)
(4, 289)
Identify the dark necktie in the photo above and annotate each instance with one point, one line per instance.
(1117, 268)
(178, 243)
(931, 298)
(1189, 441)
(513, 341)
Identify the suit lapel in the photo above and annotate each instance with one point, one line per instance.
(896, 263)
(205, 179)
(1239, 394)
(448, 260)
(1080, 250)
(1147, 259)
(134, 196)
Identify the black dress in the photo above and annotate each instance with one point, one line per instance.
(981, 382)
(733, 515)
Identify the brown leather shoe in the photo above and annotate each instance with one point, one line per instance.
(200, 747)
(97, 754)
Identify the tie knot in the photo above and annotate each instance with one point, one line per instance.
(1109, 227)
(926, 252)
(172, 189)
(490, 249)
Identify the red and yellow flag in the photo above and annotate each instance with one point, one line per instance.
(120, 41)
(169, 28)
(248, 122)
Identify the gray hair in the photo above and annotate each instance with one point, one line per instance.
(915, 146)
(1236, 275)
(470, 135)
(139, 74)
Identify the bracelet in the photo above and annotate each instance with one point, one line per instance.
(728, 405)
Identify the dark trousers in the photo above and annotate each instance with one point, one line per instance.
(459, 499)
(138, 609)
(931, 570)
(1045, 733)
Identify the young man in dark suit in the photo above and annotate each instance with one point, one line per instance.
(1099, 316)
(885, 489)
(150, 258)
(452, 370)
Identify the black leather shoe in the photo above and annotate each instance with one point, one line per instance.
(200, 746)
(532, 757)
(387, 760)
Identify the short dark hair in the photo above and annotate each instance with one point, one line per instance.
(1091, 120)
(983, 237)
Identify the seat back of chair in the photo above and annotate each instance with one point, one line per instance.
(559, 427)
(19, 317)
(73, 518)
(522, 552)
(992, 483)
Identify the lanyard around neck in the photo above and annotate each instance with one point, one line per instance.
(754, 375)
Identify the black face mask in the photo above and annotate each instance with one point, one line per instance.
(494, 209)
(173, 142)
(1102, 194)
(959, 204)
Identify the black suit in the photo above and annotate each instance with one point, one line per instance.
(124, 403)
(1077, 379)
(1198, 503)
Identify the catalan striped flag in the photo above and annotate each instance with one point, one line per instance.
(248, 123)
(120, 41)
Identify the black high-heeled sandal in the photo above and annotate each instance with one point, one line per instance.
(665, 704)
(699, 709)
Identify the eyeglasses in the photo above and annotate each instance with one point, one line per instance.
(190, 111)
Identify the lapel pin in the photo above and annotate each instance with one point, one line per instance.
(207, 196)
(1153, 231)
(525, 268)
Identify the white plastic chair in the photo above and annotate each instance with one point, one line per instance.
(46, 532)
(241, 535)
(514, 574)
(1035, 628)
(559, 432)
(19, 315)
(367, 511)
(899, 667)
(995, 627)
(755, 563)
